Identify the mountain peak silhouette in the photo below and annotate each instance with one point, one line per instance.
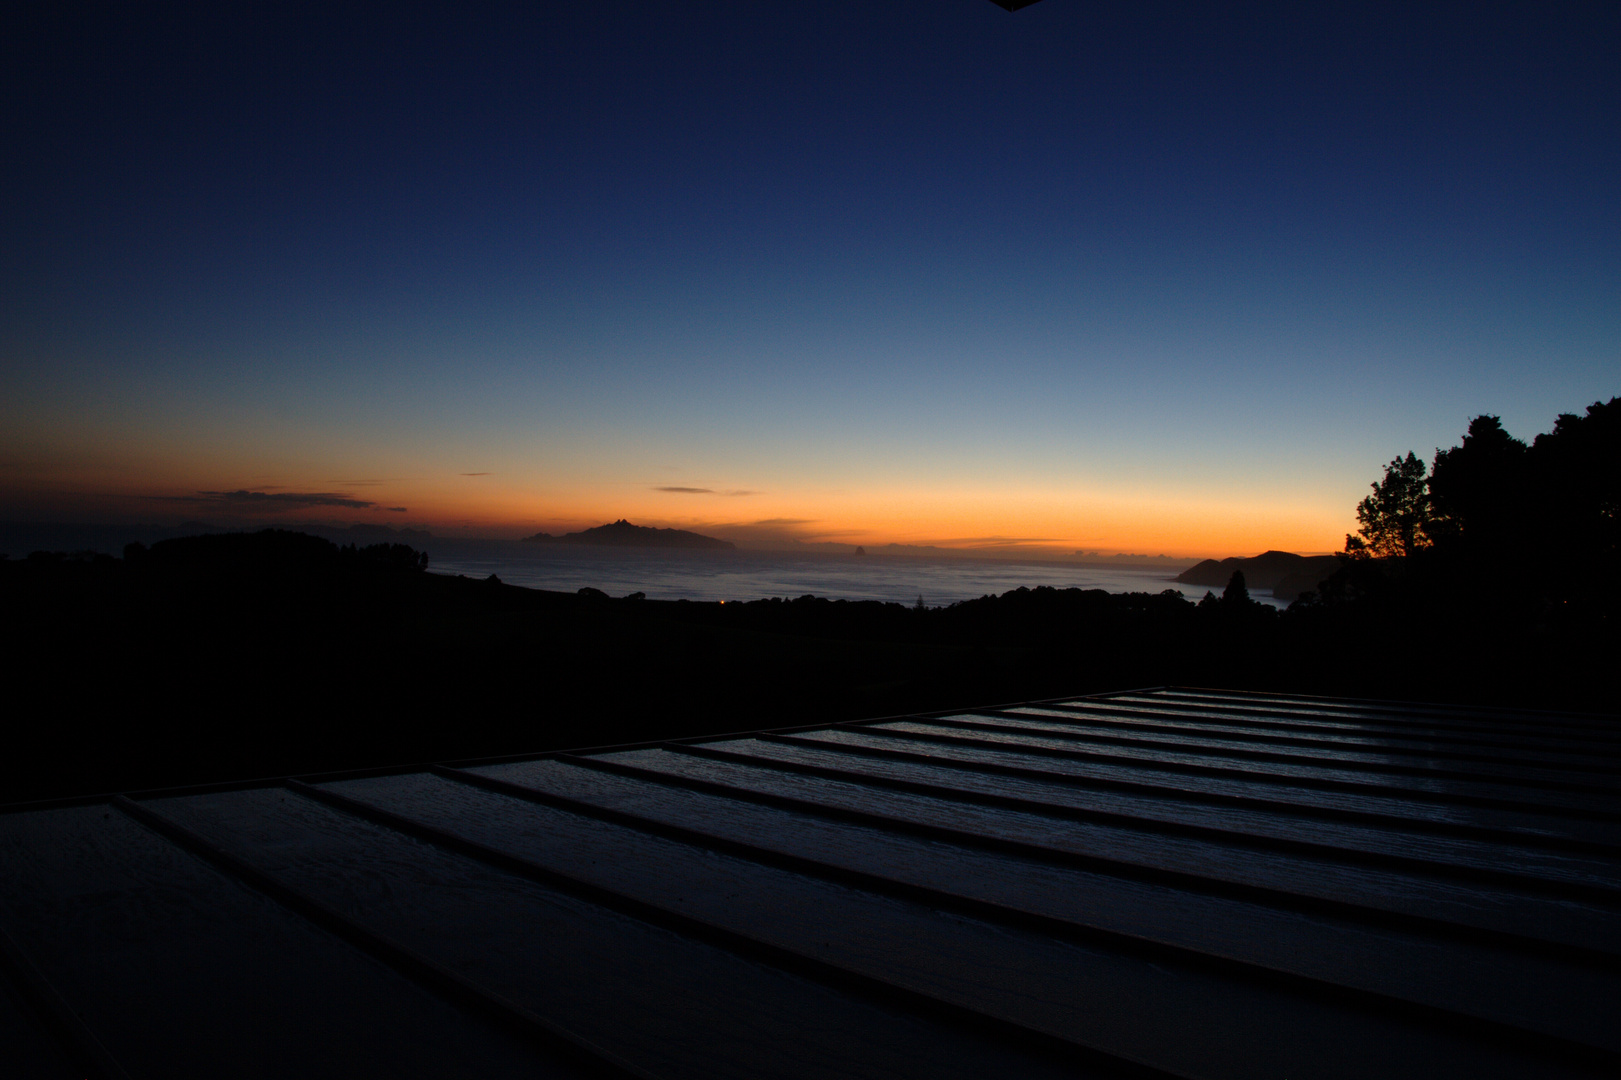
(622, 533)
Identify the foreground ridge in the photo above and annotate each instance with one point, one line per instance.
(1160, 882)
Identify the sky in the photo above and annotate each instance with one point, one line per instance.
(1144, 278)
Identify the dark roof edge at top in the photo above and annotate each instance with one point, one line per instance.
(461, 763)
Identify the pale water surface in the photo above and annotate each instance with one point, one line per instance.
(752, 575)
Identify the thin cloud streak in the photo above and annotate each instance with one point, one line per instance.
(278, 499)
(999, 541)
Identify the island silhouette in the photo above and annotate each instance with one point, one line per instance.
(622, 533)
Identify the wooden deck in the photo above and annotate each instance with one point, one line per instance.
(1168, 882)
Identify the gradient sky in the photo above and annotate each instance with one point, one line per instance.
(1146, 277)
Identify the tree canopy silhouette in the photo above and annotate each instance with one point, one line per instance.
(1482, 491)
(1395, 520)
(1542, 521)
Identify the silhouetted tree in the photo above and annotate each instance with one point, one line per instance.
(1575, 478)
(1481, 493)
(1395, 520)
(1236, 592)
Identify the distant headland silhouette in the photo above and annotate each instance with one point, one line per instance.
(622, 533)
(1288, 575)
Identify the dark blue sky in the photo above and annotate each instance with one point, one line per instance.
(1095, 275)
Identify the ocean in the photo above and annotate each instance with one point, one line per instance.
(755, 575)
(692, 575)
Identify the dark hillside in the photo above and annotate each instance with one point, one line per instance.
(1265, 571)
(254, 654)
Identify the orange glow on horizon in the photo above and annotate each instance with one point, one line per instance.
(1033, 521)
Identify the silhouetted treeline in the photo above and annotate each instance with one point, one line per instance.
(1501, 545)
(227, 656)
